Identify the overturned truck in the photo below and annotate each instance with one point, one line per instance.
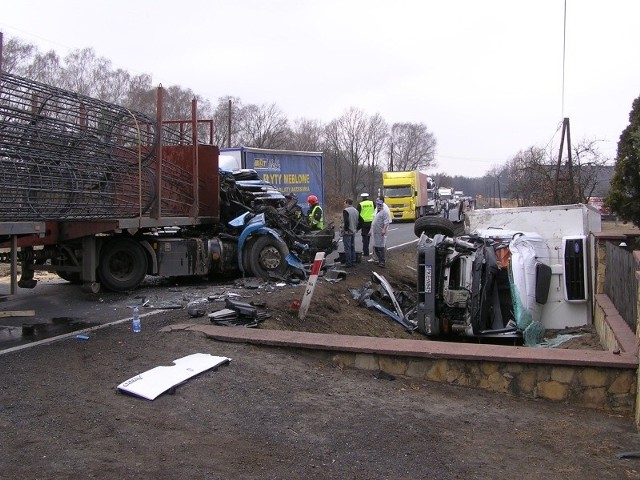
(517, 272)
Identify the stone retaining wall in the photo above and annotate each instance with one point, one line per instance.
(604, 388)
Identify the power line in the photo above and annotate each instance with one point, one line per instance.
(564, 44)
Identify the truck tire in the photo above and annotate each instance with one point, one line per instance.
(123, 264)
(246, 258)
(432, 225)
(268, 256)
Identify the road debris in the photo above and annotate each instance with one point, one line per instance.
(238, 314)
(154, 382)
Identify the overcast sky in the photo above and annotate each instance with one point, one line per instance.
(485, 77)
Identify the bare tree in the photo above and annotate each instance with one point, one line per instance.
(530, 179)
(141, 96)
(84, 72)
(334, 163)
(45, 69)
(442, 179)
(348, 143)
(531, 175)
(411, 147)
(306, 135)
(375, 151)
(263, 126)
(588, 166)
(17, 56)
(114, 86)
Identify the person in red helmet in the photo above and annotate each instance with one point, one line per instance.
(316, 215)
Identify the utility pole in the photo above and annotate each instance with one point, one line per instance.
(566, 131)
(229, 126)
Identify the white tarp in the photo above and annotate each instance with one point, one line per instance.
(158, 380)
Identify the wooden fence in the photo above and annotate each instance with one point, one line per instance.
(620, 283)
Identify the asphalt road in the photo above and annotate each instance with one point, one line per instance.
(60, 308)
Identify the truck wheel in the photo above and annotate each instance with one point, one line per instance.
(246, 258)
(268, 256)
(123, 264)
(431, 226)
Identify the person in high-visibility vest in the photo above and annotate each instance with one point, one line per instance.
(366, 211)
(316, 215)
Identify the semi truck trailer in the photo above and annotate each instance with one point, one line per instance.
(104, 196)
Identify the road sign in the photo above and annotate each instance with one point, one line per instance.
(311, 285)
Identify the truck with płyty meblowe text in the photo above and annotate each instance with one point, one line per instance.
(410, 195)
(103, 196)
(290, 171)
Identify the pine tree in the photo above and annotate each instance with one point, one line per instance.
(624, 197)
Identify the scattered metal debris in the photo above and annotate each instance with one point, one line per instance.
(242, 308)
(403, 304)
(238, 314)
(196, 309)
(221, 297)
(223, 314)
(362, 295)
(371, 304)
(334, 275)
(379, 279)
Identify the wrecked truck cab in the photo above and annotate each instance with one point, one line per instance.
(482, 284)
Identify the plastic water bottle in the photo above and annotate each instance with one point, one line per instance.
(136, 326)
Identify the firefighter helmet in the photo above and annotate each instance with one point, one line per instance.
(312, 199)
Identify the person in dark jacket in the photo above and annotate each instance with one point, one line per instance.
(348, 229)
